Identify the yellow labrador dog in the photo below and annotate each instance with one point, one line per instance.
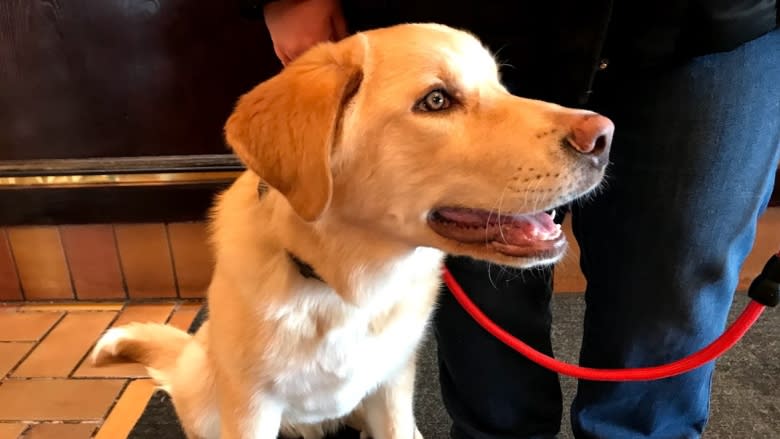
(368, 159)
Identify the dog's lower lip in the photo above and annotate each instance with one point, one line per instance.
(549, 249)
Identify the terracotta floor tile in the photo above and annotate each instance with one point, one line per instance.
(143, 313)
(62, 350)
(40, 262)
(192, 257)
(9, 281)
(61, 431)
(127, 410)
(58, 400)
(182, 317)
(146, 260)
(73, 306)
(11, 354)
(11, 430)
(94, 261)
(157, 313)
(16, 326)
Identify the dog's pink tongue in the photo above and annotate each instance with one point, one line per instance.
(524, 228)
(511, 229)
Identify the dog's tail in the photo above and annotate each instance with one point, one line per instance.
(156, 346)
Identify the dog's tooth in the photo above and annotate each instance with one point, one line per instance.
(552, 215)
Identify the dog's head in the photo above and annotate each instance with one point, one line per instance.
(408, 131)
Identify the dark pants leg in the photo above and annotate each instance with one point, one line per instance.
(489, 390)
(694, 158)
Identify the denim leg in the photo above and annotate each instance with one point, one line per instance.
(489, 390)
(694, 157)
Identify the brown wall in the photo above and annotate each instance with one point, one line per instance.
(100, 78)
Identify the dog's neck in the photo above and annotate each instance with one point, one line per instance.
(342, 254)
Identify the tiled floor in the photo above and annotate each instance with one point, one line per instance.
(49, 389)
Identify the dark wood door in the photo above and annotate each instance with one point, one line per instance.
(112, 78)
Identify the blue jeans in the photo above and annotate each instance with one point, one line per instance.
(693, 163)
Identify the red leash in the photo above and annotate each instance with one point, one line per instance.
(764, 291)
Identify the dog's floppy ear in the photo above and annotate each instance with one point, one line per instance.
(284, 129)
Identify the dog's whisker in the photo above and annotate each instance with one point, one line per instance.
(499, 62)
(490, 275)
(538, 197)
(500, 203)
(526, 195)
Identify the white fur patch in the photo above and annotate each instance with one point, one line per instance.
(266, 418)
(107, 345)
(474, 65)
(352, 360)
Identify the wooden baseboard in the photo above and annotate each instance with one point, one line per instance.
(131, 189)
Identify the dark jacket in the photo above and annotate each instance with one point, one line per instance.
(554, 48)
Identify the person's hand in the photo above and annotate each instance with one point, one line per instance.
(296, 25)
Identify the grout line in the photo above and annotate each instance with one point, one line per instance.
(72, 281)
(113, 405)
(13, 260)
(125, 288)
(32, 423)
(92, 345)
(66, 302)
(58, 421)
(172, 259)
(176, 308)
(77, 378)
(37, 343)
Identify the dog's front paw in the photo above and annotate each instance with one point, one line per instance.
(109, 346)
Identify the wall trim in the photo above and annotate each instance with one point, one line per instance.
(113, 190)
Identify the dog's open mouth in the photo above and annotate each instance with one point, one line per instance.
(517, 235)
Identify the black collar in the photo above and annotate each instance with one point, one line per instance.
(304, 269)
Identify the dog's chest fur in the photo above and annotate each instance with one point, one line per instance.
(362, 347)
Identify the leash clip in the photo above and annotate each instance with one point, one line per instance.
(765, 289)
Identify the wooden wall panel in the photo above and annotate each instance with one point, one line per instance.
(100, 78)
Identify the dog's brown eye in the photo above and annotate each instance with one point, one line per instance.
(436, 100)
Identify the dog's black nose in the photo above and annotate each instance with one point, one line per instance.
(591, 134)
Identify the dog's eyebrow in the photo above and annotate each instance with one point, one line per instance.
(440, 82)
(468, 69)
